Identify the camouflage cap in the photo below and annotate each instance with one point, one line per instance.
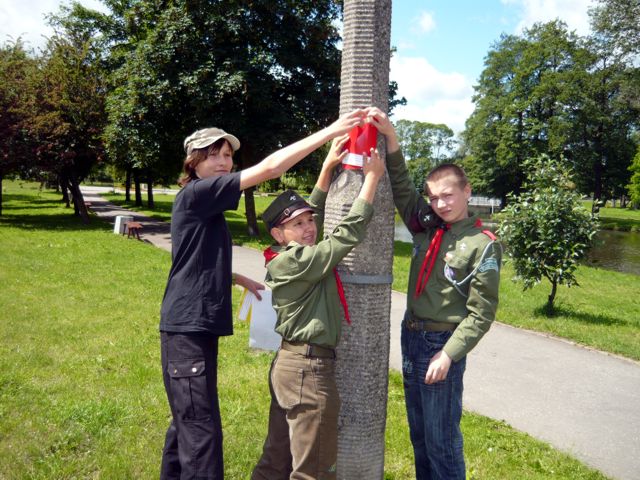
(287, 206)
(207, 136)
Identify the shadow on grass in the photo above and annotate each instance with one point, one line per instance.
(59, 222)
(583, 317)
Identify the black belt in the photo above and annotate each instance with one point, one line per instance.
(414, 323)
(308, 350)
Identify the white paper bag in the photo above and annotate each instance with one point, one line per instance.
(262, 318)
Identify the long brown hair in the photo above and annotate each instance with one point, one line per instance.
(197, 156)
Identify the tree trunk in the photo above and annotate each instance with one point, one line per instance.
(78, 199)
(64, 187)
(363, 353)
(127, 186)
(250, 212)
(552, 296)
(150, 203)
(136, 181)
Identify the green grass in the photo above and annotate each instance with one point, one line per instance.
(81, 392)
(616, 218)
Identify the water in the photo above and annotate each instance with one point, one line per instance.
(617, 251)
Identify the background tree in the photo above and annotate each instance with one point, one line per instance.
(17, 73)
(617, 20)
(634, 184)
(546, 228)
(67, 116)
(426, 144)
(265, 70)
(550, 92)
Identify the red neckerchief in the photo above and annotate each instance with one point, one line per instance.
(429, 260)
(269, 255)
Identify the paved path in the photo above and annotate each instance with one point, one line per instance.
(581, 401)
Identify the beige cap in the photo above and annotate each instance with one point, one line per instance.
(207, 136)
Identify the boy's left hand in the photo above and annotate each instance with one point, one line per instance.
(249, 284)
(337, 152)
(438, 368)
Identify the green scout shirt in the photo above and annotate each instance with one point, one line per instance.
(460, 253)
(305, 295)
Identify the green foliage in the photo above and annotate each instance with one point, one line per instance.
(634, 185)
(423, 140)
(418, 171)
(550, 92)
(17, 81)
(618, 21)
(424, 145)
(546, 228)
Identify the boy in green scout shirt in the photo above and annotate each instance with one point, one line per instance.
(309, 301)
(451, 303)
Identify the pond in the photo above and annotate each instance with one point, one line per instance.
(618, 251)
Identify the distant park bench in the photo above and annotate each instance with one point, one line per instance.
(133, 228)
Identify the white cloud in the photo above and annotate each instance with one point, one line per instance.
(432, 96)
(26, 19)
(427, 22)
(573, 12)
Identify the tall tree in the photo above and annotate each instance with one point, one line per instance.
(17, 81)
(548, 92)
(67, 116)
(363, 352)
(265, 70)
(617, 20)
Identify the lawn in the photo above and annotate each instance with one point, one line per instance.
(616, 218)
(81, 391)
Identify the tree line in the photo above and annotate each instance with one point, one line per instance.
(124, 88)
(549, 92)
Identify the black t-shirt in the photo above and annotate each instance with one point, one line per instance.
(198, 293)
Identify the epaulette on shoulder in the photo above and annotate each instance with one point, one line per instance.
(487, 232)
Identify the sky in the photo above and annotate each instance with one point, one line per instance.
(441, 44)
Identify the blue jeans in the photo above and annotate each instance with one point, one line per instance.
(433, 411)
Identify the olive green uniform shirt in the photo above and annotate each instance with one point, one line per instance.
(473, 308)
(305, 294)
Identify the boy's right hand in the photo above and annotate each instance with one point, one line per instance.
(345, 123)
(373, 164)
(380, 120)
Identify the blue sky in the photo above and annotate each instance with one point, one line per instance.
(441, 44)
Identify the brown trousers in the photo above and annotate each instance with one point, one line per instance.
(302, 441)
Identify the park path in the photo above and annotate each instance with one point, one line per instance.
(581, 401)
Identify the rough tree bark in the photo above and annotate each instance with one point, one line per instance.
(363, 353)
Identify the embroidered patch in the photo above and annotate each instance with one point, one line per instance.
(449, 272)
(489, 264)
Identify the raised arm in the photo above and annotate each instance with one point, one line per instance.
(410, 204)
(336, 153)
(282, 160)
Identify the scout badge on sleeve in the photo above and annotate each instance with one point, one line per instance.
(361, 140)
